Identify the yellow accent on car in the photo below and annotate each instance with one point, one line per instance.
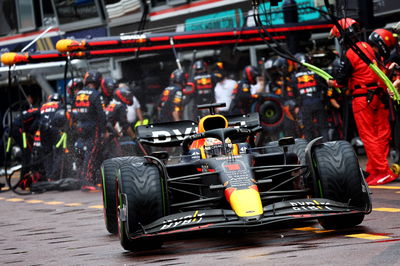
(202, 153)
(235, 150)
(246, 202)
(209, 122)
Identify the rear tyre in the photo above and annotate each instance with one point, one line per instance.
(140, 200)
(340, 179)
(299, 148)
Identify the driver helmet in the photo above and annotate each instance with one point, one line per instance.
(214, 147)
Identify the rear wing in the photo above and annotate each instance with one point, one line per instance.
(172, 133)
(250, 121)
(166, 134)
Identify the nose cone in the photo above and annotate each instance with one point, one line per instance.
(245, 203)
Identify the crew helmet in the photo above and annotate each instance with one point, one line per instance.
(383, 40)
(93, 77)
(74, 85)
(250, 74)
(349, 25)
(200, 66)
(108, 85)
(302, 57)
(178, 76)
(124, 94)
(54, 97)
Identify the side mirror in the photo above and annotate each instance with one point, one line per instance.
(286, 141)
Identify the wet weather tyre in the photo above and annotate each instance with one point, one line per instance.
(109, 170)
(141, 202)
(299, 148)
(340, 180)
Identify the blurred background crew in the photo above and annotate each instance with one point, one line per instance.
(26, 123)
(170, 104)
(134, 110)
(223, 89)
(242, 97)
(283, 86)
(90, 126)
(200, 88)
(117, 123)
(107, 85)
(49, 156)
(310, 91)
(73, 86)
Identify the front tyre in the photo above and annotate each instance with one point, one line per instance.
(340, 179)
(140, 201)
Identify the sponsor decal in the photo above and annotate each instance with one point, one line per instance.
(184, 220)
(162, 136)
(132, 37)
(232, 167)
(310, 205)
(227, 158)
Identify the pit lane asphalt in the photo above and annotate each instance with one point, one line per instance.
(67, 228)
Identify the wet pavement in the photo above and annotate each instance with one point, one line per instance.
(67, 228)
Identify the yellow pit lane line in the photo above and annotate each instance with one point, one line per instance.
(368, 236)
(386, 209)
(34, 201)
(14, 200)
(386, 187)
(73, 204)
(96, 207)
(53, 202)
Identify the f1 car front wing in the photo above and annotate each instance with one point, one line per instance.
(191, 222)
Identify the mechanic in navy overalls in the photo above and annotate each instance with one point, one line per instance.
(26, 123)
(108, 86)
(170, 104)
(90, 125)
(311, 101)
(117, 122)
(242, 97)
(202, 85)
(49, 136)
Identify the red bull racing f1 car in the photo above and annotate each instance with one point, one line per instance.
(223, 181)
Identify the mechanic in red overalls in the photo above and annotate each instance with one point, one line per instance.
(370, 114)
